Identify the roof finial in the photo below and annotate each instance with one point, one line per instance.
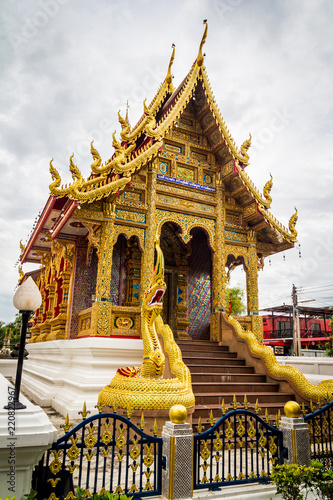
(200, 58)
(127, 108)
(169, 75)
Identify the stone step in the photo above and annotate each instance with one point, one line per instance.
(232, 387)
(196, 342)
(215, 398)
(227, 358)
(213, 354)
(210, 369)
(230, 378)
(188, 348)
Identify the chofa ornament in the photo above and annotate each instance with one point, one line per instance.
(144, 388)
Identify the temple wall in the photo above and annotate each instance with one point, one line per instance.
(84, 284)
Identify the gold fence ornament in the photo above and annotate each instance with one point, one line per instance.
(66, 426)
(245, 403)
(223, 408)
(84, 411)
(200, 428)
(211, 419)
(256, 408)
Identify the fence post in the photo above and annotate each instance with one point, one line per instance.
(295, 435)
(177, 478)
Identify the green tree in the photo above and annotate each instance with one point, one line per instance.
(14, 328)
(236, 294)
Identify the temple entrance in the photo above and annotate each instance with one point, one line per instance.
(187, 302)
(175, 260)
(126, 271)
(199, 286)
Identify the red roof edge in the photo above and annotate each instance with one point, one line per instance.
(46, 212)
(65, 217)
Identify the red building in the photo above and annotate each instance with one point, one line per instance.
(315, 327)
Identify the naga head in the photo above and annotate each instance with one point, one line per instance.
(153, 296)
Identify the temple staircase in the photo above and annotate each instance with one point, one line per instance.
(218, 374)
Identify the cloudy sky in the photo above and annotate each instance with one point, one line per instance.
(67, 66)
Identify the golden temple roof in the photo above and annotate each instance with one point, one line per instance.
(142, 143)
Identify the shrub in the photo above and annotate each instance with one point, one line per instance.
(294, 482)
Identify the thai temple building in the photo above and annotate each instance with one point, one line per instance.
(177, 174)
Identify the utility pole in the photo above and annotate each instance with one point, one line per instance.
(296, 330)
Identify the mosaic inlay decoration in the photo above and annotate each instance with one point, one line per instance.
(185, 173)
(185, 183)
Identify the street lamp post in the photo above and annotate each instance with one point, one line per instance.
(27, 300)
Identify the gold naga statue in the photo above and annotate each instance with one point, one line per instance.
(144, 388)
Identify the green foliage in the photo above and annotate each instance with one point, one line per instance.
(14, 328)
(295, 482)
(31, 496)
(8, 498)
(236, 294)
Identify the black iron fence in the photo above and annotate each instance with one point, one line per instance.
(240, 447)
(320, 424)
(105, 452)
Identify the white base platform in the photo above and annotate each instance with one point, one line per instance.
(24, 436)
(8, 367)
(316, 370)
(65, 373)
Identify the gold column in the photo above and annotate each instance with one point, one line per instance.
(218, 262)
(149, 250)
(101, 309)
(252, 287)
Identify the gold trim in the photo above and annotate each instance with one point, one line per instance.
(172, 468)
(294, 445)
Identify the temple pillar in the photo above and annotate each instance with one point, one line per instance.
(218, 274)
(149, 250)
(182, 321)
(101, 308)
(252, 287)
(133, 266)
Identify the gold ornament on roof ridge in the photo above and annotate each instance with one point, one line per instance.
(96, 156)
(21, 273)
(275, 224)
(165, 88)
(200, 57)
(244, 148)
(292, 224)
(22, 248)
(168, 78)
(267, 189)
(274, 368)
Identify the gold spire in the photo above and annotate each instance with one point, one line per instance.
(292, 224)
(168, 78)
(267, 190)
(127, 108)
(200, 58)
(21, 273)
(95, 154)
(244, 147)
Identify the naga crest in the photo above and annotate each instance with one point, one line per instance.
(153, 296)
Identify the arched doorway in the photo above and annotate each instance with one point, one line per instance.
(175, 253)
(199, 286)
(126, 271)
